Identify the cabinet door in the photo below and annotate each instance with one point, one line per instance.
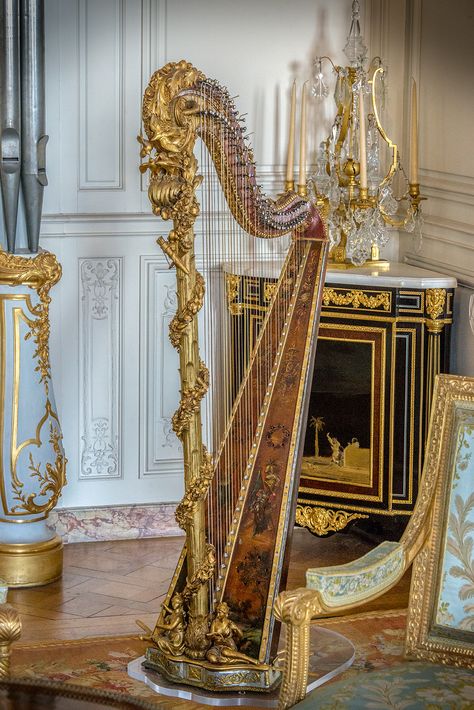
(348, 423)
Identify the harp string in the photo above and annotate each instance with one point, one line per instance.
(228, 245)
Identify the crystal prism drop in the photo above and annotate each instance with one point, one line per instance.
(355, 49)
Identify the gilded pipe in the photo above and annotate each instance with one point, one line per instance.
(33, 168)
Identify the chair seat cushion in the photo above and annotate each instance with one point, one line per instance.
(406, 686)
(354, 581)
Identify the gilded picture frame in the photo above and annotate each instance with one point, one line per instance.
(440, 625)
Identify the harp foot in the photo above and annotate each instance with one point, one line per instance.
(203, 674)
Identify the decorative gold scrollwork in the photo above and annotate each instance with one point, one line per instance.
(232, 282)
(171, 132)
(190, 401)
(295, 608)
(39, 273)
(356, 298)
(268, 291)
(185, 315)
(195, 490)
(237, 678)
(322, 521)
(202, 574)
(52, 480)
(435, 300)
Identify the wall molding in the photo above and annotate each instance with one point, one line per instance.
(154, 38)
(448, 186)
(120, 224)
(96, 173)
(447, 230)
(441, 228)
(465, 277)
(121, 522)
(100, 371)
(160, 449)
(104, 224)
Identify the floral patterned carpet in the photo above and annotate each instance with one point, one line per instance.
(102, 663)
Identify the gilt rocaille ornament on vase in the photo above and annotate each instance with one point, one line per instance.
(32, 461)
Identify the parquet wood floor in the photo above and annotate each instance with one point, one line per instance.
(106, 586)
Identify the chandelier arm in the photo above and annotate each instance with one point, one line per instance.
(344, 110)
(382, 132)
(398, 223)
(320, 59)
(376, 61)
(343, 128)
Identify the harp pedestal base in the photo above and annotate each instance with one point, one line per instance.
(220, 678)
(331, 654)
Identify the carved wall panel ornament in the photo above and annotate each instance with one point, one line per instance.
(100, 339)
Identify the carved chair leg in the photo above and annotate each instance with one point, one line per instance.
(296, 609)
(295, 673)
(10, 631)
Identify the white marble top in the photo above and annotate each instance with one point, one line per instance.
(396, 275)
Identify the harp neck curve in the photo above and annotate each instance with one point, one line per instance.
(181, 105)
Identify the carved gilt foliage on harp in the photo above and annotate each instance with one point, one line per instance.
(190, 401)
(171, 135)
(195, 491)
(172, 165)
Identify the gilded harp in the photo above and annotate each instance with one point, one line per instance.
(216, 626)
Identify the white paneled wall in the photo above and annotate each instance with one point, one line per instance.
(441, 57)
(160, 450)
(115, 373)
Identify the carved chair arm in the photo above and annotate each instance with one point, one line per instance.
(349, 585)
(331, 591)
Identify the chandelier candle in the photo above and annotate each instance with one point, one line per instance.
(362, 145)
(290, 183)
(302, 190)
(414, 136)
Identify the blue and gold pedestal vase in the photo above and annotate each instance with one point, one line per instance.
(32, 461)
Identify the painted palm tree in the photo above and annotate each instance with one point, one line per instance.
(318, 425)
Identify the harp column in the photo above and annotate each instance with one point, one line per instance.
(190, 290)
(171, 126)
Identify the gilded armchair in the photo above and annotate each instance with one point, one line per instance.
(333, 591)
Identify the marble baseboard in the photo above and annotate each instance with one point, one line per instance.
(123, 522)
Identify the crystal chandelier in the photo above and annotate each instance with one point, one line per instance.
(365, 199)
